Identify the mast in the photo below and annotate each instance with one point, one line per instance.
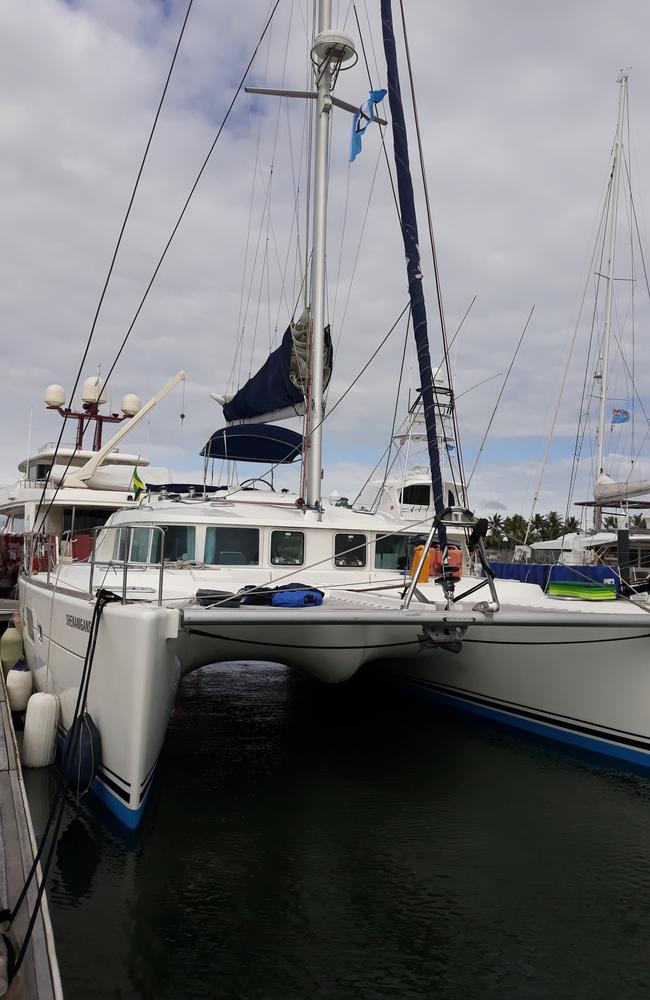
(331, 50)
(603, 361)
(314, 443)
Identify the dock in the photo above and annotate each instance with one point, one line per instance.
(38, 977)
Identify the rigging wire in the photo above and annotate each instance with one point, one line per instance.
(397, 395)
(436, 270)
(382, 128)
(496, 405)
(560, 396)
(357, 254)
(165, 249)
(111, 266)
(583, 417)
(406, 418)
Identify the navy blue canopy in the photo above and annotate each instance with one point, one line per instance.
(255, 443)
(271, 388)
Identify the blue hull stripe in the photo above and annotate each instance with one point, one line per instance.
(555, 730)
(114, 803)
(129, 817)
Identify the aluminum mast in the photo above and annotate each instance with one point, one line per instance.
(314, 419)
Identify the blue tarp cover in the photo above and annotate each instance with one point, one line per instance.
(543, 573)
(255, 443)
(271, 387)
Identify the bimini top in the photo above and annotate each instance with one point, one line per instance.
(255, 443)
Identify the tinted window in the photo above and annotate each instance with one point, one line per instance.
(393, 551)
(287, 548)
(84, 519)
(419, 494)
(179, 543)
(232, 547)
(140, 545)
(137, 540)
(342, 545)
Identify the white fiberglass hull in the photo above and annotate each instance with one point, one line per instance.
(582, 675)
(143, 650)
(586, 686)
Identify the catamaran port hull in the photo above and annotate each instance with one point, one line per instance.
(143, 650)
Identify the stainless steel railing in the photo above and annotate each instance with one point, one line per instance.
(124, 563)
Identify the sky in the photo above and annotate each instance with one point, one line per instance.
(517, 105)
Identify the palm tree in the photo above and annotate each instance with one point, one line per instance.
(537, 526)
(495, 524)
(554, 525)
(572, 524)
(611, 523)
(495, 530)
(638, 521)
(515, 528)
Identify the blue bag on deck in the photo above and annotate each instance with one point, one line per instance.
(296, 598)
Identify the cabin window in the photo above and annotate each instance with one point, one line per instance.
(343, 543)
(180, 543)
(38, 472)
(140, 545)
(417, 495)
(138, 540)
(287, 548)
(17, 524)
(232, 547)
(393, 551)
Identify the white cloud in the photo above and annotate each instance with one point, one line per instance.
(518, 107)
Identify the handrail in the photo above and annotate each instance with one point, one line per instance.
(129, 528)
(456, 517)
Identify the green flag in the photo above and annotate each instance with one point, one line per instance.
(136, 483)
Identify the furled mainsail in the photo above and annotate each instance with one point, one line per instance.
(281, 382)
(411, 248)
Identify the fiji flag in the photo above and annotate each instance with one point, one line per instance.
(362, 119)
(620, 416)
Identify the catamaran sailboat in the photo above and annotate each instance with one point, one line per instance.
(254, 574)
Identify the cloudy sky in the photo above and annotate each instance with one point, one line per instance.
(518, 107)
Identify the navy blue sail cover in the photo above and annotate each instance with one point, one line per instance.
(411, 247)
(255, 443)
(271, 387)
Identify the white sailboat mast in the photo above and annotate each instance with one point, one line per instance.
(314, 443)
(603, 364)
(331, 50)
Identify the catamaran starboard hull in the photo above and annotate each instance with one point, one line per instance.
(585, 686)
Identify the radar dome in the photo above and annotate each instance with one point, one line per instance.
(54, 395)
(130, 404)
(93, 390)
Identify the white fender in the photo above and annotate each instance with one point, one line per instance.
(40, 730)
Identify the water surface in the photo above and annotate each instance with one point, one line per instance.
(310, 842)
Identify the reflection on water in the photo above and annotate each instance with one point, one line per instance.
(309, 842)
